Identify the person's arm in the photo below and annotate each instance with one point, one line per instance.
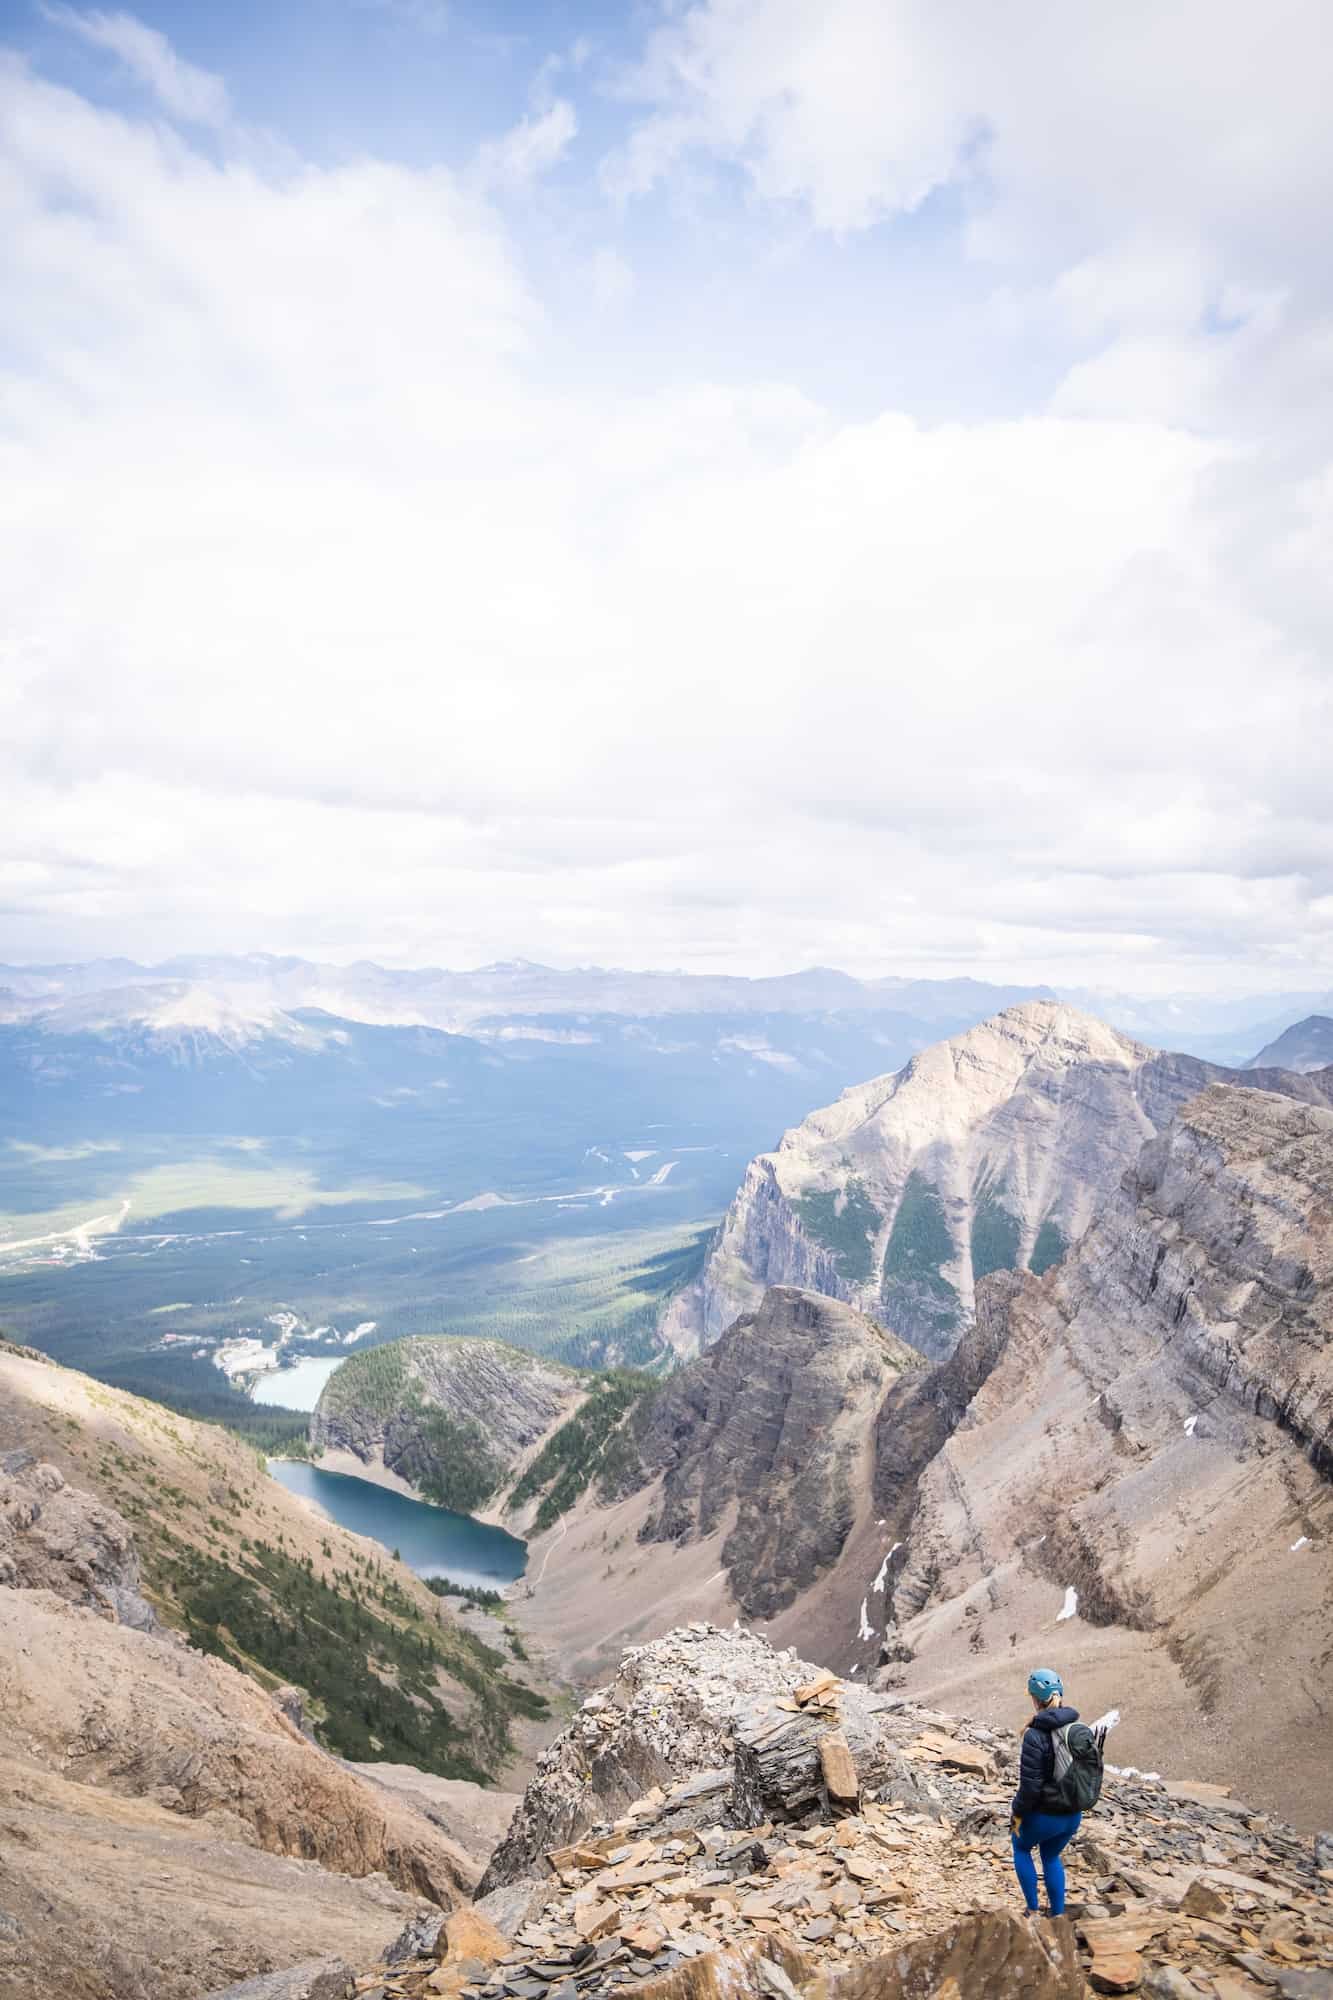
(1031, 1774)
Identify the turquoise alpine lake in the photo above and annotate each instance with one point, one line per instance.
(297, 1387)
(430, 1540)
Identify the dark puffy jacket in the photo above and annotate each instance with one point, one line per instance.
(1036, 1764)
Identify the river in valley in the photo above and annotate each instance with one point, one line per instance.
(430, 1540)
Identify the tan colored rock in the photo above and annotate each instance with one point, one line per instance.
(839, 1769)
(1132, 1933)
(987, 1957)
(952, 1754)
(596, 1920)
(468, 1934)
(562, 1858)
(822, 1688)
(1116, 1972)
(735, 1974)
(134, 1713)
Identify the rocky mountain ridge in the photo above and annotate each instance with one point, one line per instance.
(1128, 1454)
(1143, 1463)
(187, 1655)
(249, 1572)
(768, 1432)
(723, 1819)
(991, 1151)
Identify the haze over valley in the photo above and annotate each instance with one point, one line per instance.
(207, 1174)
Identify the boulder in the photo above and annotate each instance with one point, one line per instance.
(984, 1957)
(417, 1939)
(470, 1934)
(1201, 1901)
(1167, 1982)
(511, 1905)
(838, 1768)
(1306, 1982)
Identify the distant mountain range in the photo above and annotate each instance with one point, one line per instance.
(230, 992)
(1308, 1045)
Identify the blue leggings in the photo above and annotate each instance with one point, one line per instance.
(1050, 1833)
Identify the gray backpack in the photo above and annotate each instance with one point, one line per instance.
(1076, 1781)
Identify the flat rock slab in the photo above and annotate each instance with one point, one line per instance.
(1116, 1972)
(318, 1979)
(985, 1957)
(1305, 1983)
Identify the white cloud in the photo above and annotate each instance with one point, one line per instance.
(195, 95)
(335, 621)
(530, 149)
(1200, 116)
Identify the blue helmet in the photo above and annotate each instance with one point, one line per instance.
(1043, 1684)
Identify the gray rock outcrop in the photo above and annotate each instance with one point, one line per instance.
(768, 1428)
(54, 1537)
(318, 1979)
(699, 1888)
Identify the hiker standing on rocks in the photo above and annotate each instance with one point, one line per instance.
(1059, 1776)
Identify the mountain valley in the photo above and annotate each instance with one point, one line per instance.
(1023, 1348)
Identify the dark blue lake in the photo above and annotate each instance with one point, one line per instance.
(430, 1540)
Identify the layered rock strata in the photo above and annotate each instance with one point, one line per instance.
(1122, 1468)
(458, 1420)
(769, 1431)
(740, 1484)
(988, 1152)
(1140, 1484)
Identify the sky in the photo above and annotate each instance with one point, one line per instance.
(735, 485)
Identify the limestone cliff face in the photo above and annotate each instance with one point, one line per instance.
(458, 1419)
(992, 1151)
(768, 1431)
(54, 1537)
(1139, 1486)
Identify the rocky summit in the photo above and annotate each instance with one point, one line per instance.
(992, 1151)
(723, 1819)
(1123, 1464)
(1140, 1473)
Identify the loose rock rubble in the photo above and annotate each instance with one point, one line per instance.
(681, 1894)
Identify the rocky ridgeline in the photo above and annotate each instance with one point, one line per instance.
(991, 1151)
(770, 1423)
(802, 1836)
